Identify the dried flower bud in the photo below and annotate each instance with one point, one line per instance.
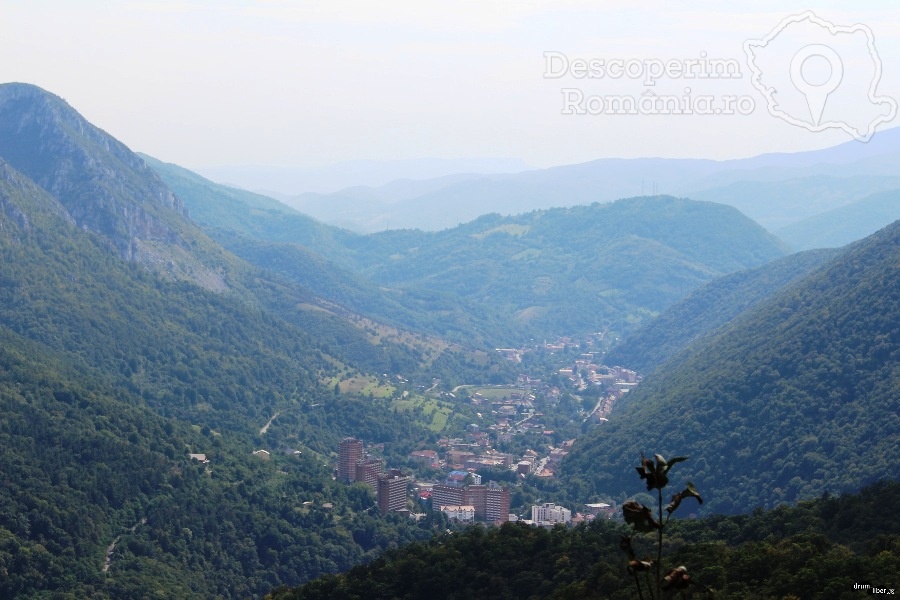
(640, 517)
(676, 579)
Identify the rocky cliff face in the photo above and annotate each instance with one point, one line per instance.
(100, 185)
(104, 187)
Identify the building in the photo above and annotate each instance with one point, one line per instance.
(490, 502)
(443, 494)
(601, 509)
(392, 493)
(462, 514)
(349, 453)
(428, 458)
(597, 507)
(550, 514)
(368, 470)
(457, 477)
(476, 495)
(496, 507)
(459, 457)
(484, 463)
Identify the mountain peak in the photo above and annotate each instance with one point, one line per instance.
(106, 188)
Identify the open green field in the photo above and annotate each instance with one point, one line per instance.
(495, 393)
(439, 412)
(363, 385)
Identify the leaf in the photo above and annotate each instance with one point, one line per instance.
(675, 461)
(673, 505)
(655, 474)
(688, 492)
(640, 517)
(691, 491)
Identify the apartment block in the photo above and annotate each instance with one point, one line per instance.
(392, 491)
(350, 452)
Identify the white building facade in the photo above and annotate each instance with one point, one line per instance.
(463, 514)
(550, 514)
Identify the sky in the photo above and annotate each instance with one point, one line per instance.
(308, 84)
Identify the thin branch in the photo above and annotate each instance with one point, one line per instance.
(659, 547)
(637, 582)
(649, 585)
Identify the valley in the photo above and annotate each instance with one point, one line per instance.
(182, 364)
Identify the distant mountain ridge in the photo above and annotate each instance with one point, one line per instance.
(496, 280)
(289, 181)
(852, 169)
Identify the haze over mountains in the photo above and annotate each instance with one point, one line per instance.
(497, 280)
(776, 190)
(148, 314)
(282, 182)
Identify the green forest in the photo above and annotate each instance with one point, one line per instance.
(817, 550)
(792, 398)
(497, 280)
(179, 361)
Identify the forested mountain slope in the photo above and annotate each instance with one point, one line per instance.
(796, 396)
(576, 269)
(274, 237)
(710, 307)
(497, 280)
(844, 225)
(111, 373)
(817, 550)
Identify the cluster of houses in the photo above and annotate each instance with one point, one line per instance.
(475, 453)
(542, 515)
(584, 372)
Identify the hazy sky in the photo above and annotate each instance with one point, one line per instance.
(308, 84)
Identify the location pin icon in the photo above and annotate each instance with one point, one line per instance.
(816, 95)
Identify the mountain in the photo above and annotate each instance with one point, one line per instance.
(495, 280)
(216, 207)
(710, 307)
(450, 202)
(580, 269)
(773, 189)
(846, 224)
(794, 397)
(290, 181)
(115, 368)
(321, 259)
(784, 204)
(103, 186)
(398, 204)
